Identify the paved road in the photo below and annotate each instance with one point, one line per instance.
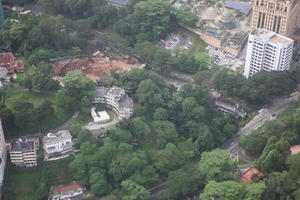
(177, 83)
(267, 114)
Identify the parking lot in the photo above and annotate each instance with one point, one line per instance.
(221, 58)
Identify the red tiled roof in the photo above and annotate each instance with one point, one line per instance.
(19, 65)
(246, 176)
(6, 58)
(8, 61)
(295, 149)
(67, 188)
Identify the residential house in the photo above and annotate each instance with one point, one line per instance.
(57, 145)
(68, 191)
(248, 174)
(9, 62)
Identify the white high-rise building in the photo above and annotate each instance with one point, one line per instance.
(3, 153)
(267, 51)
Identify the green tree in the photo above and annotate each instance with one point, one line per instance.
(99, 185)
(227, 190)
(76, 91)
(139, 127)
(254, 191)
(216, 165)
(160, 114)
(279, 186)
(134, 191)
(182, 182)
(149, 94)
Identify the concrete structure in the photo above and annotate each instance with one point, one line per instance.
(99, 117)
(8, 61)
(224, 25)
(229, 107)
(23, 153)
(1, 13)
(68, 191)
(3, 72)
(231, 43)
(57, 145)
(267, 51)
(279, 16)
(3, 154)
(35, 140)
(116, 99)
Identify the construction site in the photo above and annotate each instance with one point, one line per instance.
(98, 65)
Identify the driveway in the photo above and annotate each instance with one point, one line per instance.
(97, 129)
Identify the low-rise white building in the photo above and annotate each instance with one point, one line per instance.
(58, 145)
(267, 51)
(68, 191)
(116, 99)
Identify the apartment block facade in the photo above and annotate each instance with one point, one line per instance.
(23, 153)
(116, 99)
(267, 51)
(279, 16)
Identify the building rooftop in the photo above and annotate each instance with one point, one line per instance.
(60, 135)
(271, 36)
(295, 149)
(239, 6)
(64, 189)
(247, 175)
(22, 145)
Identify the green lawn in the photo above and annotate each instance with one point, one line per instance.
(19, 182)
(198, 44)
(14, 95)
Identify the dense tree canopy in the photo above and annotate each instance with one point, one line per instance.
(76, 93)
(257, 89)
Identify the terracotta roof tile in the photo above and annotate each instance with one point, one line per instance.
(67, 188)
(246, 176)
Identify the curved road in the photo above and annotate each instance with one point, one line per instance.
(267, 114)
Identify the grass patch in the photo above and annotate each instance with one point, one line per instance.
(84, 118)
(198, 45)
(242, 162)
(20, 182)
(14, 95)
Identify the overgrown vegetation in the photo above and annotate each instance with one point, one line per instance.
(271, 144)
